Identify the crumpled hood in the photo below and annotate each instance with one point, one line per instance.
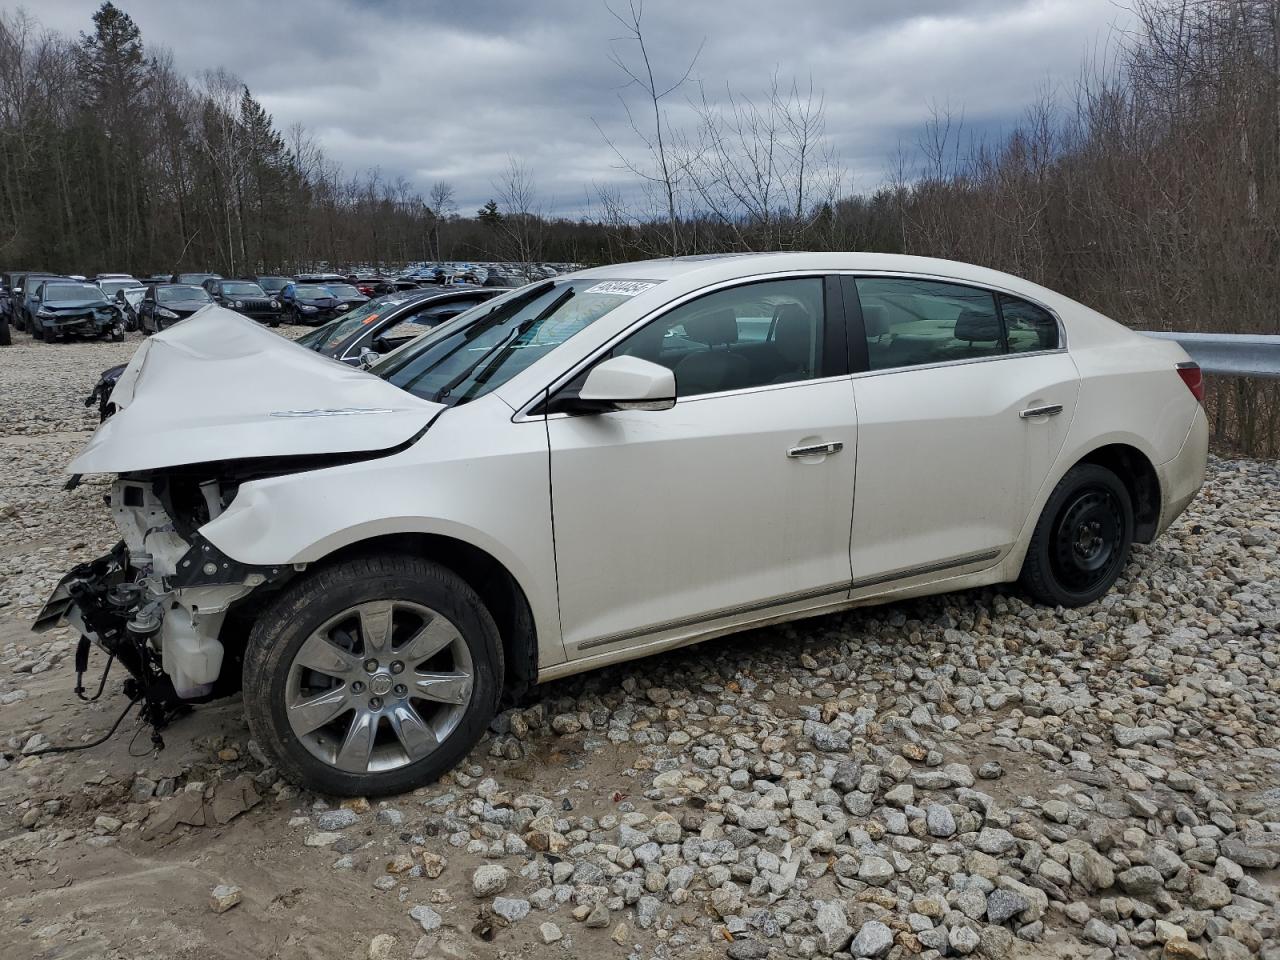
(220, 387)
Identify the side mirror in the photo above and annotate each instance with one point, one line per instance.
(368, 358)
(625, 383)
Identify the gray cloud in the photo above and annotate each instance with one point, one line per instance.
(429, 90)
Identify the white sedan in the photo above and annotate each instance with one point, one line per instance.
(601, 466)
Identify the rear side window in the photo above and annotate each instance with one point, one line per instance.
(1027, 326)
(914, 322)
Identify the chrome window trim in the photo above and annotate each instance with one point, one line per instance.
(522, 414)
(990, 288)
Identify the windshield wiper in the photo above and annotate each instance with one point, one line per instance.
(499, 350)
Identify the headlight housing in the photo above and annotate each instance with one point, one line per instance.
(307, 309)
(167, 314)
(275, 304)
(238, 304)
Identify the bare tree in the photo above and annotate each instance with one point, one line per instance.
(521, 224)
(664, 169)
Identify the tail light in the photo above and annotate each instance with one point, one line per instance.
(1194, 379)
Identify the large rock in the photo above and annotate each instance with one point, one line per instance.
(833, 927)
(1209, 893)
(1140, 881)
(1003, 905)
(873, 940)
(489, 879)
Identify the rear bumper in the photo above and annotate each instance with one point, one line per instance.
(1182, 477)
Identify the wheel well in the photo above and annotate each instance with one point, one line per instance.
(1139, 477)
(501, 594)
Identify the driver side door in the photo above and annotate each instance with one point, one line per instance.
(734, 505)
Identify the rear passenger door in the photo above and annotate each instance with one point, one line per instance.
(964, 398)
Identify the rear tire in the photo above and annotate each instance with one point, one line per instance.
(340, 652)
(1081, 541)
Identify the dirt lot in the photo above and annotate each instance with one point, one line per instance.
(954, 775)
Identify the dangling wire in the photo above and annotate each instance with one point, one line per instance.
(71, 748)
(101, 683)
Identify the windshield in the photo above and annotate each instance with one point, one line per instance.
(73, 293)
(483, 348)
(195, 277)
(309, 292)
(338, 331)
(176, 293)
(243, 290)
(343, 290)
(273, 284)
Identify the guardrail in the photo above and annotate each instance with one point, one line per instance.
(1229, 354)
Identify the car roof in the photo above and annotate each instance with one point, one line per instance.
(714, 268)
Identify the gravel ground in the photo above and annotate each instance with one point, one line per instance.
(948, 776)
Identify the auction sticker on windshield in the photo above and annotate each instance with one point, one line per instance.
(622, 288)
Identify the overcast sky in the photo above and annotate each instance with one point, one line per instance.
(448, 91)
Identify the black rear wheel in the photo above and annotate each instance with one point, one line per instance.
(1082, 539)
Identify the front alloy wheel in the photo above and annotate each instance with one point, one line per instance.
(371, 676)
(379, 685)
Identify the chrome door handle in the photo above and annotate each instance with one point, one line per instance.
(1048, 410)
(815, 450)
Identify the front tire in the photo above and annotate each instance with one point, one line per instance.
(372, 676)
(1081, 541)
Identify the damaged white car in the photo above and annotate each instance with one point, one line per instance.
(602, 466)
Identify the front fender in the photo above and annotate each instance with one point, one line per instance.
(474, 476)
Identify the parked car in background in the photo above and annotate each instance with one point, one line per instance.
(246, 297)
(321, 278)
(112, 276)
(308, 303)
(25, 304)
(65, 309)
(194, 278)
(126, 294)
(379, 544)
(272, 284)
(166, 303)
(348, 297)
(394, 285)
(367, 285)
(385, 323)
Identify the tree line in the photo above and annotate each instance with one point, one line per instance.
(1149, 190)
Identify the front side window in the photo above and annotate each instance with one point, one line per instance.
(475, 353)
(1027, 326)
(912, 322)
(749, 336)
